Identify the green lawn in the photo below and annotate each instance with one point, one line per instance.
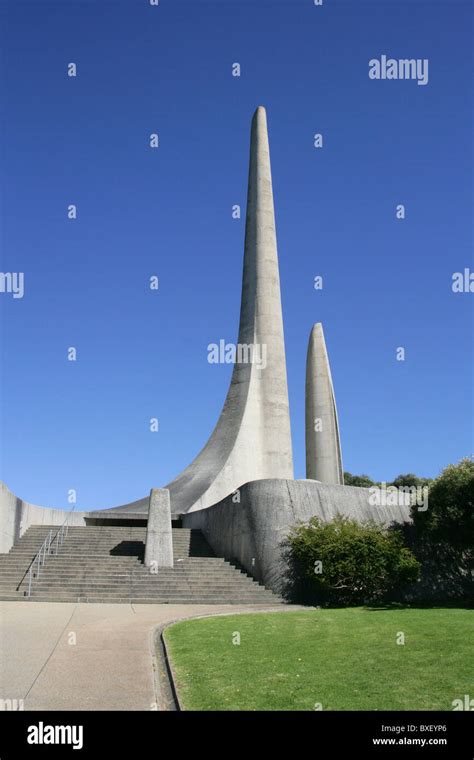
(344, 659)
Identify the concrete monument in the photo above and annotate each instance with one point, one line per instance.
(250, 448)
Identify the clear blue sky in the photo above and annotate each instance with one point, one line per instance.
(142, 354)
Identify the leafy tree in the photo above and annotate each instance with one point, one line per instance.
(362, 481)
(450, 515)
(409, 480)
(345, 562)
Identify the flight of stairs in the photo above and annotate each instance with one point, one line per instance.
(105, 564)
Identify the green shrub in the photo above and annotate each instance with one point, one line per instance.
(345, 562)
(449, 518)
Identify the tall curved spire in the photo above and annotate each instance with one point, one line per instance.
(252, 438)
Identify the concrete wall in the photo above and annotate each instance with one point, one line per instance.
(17, 515)
(253, 530)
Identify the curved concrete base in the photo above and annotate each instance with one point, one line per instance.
(252, 531)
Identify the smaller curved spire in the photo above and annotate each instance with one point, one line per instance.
(323, 445)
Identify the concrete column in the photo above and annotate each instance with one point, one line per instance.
(159, 537)
(323, 446)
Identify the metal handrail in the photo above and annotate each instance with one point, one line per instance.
(45, 550)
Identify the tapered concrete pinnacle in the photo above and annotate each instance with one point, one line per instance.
(252, 438)
(323, 446)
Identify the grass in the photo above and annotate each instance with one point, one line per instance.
(344, 659)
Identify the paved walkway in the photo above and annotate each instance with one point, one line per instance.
(87, 656)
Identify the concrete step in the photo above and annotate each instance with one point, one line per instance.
(245, 583)
(119, 539)
(100, 564)
(164, 584)
(157, 595)
(139, 577)
(161, 592)
(230, 577)
(89, 533)
(126, 567)
(140, 600)
(97, 560)
(126, 546)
